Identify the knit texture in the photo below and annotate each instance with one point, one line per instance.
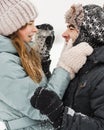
(72, 59)
(14, 14)
(93, 24)
(44, 39)
(89, 20)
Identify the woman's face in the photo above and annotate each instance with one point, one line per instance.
(70, 33)
(26, 33)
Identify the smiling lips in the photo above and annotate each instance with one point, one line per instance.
(32, 37)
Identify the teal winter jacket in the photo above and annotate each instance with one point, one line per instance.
(17, 88)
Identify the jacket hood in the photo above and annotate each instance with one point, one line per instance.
(89, 20)
(6, 45)
(95, 59)
(98, 55)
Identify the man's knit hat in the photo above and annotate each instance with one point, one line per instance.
(14, 14)
(75, 15)
(89, 20)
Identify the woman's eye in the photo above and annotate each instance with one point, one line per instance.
(29, 23)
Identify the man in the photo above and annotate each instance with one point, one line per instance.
(83, 102)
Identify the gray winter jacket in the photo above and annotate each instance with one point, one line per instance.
(16, 89)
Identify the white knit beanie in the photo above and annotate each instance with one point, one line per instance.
(14, 14)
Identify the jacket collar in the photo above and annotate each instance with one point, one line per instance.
(98, 55)
(6, 45)
(93, 60)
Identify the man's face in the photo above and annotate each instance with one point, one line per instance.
(70, 33)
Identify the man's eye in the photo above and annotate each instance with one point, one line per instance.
(71, 27)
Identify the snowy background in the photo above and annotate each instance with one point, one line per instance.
(52, 12)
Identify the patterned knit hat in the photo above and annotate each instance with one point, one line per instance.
(14, 14)
(89, 20)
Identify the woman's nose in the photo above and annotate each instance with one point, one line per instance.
(35, 29)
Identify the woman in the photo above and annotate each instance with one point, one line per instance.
(83, 100)
(20, 68)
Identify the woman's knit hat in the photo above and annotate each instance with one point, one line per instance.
(14, 14)
(89, 20)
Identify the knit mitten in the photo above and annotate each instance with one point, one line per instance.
(72, 59)
(49, 104)
(44, 39)
(46, 68)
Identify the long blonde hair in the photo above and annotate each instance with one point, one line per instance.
(30, 59)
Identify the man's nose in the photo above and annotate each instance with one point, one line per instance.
(66, 36)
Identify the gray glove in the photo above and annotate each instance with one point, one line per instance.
(44, 39)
